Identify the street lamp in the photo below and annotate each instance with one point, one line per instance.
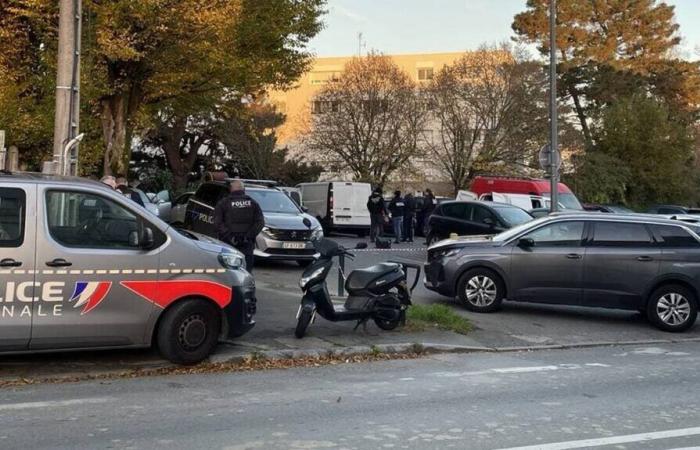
(65, 164)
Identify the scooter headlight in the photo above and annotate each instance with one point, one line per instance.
(232, 261)
(310, 277)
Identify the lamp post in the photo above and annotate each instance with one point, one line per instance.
(554, 147)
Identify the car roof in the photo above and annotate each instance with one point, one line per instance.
(256, 187)
(479, 202)
(615, 217)
(36, 177)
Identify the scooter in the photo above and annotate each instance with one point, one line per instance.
(379, 292)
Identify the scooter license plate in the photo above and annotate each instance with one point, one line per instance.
(294, 245)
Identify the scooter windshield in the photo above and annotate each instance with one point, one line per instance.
(327, 248)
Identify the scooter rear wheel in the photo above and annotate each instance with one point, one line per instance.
(303, 323)
(388, 325)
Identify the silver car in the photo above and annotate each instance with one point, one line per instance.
(84, 267)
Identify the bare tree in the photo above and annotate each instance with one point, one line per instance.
(368, 121)
(489, 111)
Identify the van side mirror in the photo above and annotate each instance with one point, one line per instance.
(305, 209)
(147, 240)
(526, 243)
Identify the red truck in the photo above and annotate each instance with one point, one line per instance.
(531, 186)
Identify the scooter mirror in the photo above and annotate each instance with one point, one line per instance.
(306, 222)
(361, 245)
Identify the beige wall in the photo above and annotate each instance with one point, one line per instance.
(296, 102)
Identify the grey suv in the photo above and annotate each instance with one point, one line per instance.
(599, 260)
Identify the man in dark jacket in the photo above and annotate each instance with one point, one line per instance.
(408, 217)
(377, 214)
(123, 187)
(429, 205)
(238, 219)
(396, 207)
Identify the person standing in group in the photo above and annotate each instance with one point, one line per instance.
(408, 217)
(238, 219)
(396, 207)
(429, 205)
(109, 181)
(377, 214)
(123, 187)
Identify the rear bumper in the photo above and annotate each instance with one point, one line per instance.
(240, 312)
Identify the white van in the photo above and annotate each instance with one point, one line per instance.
(338, 205)
(524, 201)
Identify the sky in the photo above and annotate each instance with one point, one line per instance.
(424, 26)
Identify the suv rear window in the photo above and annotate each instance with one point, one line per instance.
(671, 236)
(12, 209)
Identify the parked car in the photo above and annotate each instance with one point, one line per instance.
(616, 209)
(631, 262)
(672, 209)
(84, 267)
(338, 205)
(178, 212)
(284, 237)
(531, 186)
(473, 218)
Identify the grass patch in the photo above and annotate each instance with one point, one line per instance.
(420, 317)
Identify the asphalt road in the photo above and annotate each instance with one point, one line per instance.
(611, 397)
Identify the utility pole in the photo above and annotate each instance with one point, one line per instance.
(67, 88)
(554, 149)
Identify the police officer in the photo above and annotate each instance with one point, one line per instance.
(238, 220)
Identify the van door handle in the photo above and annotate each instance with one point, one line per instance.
(59, 262)
(9, 262)
(644, 258)
(573, 256)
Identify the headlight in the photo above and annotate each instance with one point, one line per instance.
(313, 275)
(317, 234)
(266, 231)
(232, 261)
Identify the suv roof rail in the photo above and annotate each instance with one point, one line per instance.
(268, 183)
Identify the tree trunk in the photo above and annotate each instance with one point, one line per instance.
(581, 117)
(113, 117)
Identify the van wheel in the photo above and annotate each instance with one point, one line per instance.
(672, 308)
(481, 290)
(189, 331)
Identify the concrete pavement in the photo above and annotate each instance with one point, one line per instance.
(633, 397)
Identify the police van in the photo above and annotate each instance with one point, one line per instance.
(84, 267)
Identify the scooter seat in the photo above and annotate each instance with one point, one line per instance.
(360, 279)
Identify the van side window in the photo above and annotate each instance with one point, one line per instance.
(85, 220)
(12, 217)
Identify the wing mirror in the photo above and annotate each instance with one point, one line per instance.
(147, 240)
(526, 243)
(305, 209)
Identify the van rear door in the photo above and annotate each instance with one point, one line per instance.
(350, 204)
(17, 263)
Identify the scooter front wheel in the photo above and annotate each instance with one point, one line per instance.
(305, 317)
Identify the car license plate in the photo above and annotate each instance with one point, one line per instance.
(294, 245)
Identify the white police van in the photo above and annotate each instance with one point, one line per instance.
(84, 267)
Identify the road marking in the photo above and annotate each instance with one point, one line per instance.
(613, 440)
(519, 370)
(54, 404)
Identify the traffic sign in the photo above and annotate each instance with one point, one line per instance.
(545, 155)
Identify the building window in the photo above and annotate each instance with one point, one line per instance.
(324, 106)
(425, 74)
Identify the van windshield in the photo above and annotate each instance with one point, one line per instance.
(567, 200)
(274, 201)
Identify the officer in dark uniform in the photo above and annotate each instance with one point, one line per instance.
(238, 220)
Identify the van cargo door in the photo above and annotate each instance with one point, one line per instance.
(350, 204)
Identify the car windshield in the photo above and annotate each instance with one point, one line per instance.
(519, 229)
(274, 201)
(567, 200)
(513, 216)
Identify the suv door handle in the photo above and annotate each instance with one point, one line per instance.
(574, 256)
(644, 258)
(9, 262)
(59, 262)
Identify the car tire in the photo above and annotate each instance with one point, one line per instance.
(481, 290)
(189, 331)
(672, 308)
(304, 262)
(305, 316)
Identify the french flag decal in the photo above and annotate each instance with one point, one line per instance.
(89, 294)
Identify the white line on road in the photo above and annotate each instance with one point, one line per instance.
(518, 370)
(613, 440)
(54, 404)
